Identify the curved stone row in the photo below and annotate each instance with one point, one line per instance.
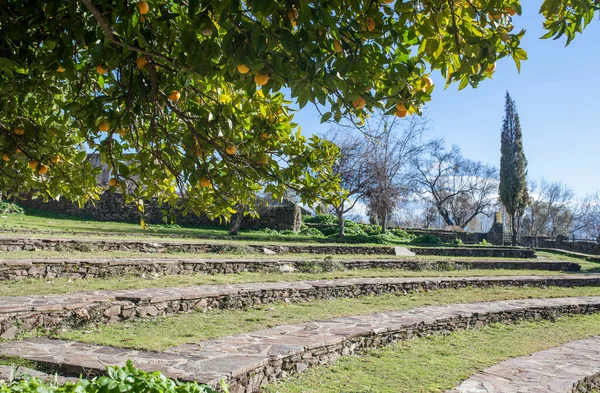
(173, 245)
(569, 368)
(27, 313)
(103, 267)
(250, 360)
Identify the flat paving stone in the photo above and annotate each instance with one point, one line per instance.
(555, 370)
(249, 360)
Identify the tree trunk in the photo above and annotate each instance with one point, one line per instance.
(513, 228)
(236, 221)
(340, 216)
(383, 223)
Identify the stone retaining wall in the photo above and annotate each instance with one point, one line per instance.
(101, 268)
(66, 245)
(28, 313)
(561, 243)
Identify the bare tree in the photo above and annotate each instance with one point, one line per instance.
(353, 171)
(394, 144)
(549, 212)
(459, 188)
(586, 217)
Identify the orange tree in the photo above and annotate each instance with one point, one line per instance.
(187, 98)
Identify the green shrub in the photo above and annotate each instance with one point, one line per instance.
(371, 229)
(311, 232)
(288, 232)
(402, 234)
(118, 380)
(269, 231)
(353, 229)
(10, 208)
(321, 219)
(484, 242)
(427, 239)
(457, 242)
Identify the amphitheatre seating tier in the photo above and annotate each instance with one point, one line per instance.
(27, 313)
(59, 244)
(247, 361)
(106, 267)
(569, 368)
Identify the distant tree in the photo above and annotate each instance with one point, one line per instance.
(513, 168)
(549, 212)
(353, 171)
(394, 144)
(460, 189)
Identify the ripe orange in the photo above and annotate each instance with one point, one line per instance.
(231, 150)
(122, 132)
(401, 106)
(264, 136)
(491, 68)
(101, 70)
(141, 62)
(242, 69)
(401, 113)
(55, 159)
(113, 182)
(33, 164)
(261, 79)
(143, 7)
(18, 151)
(337, 45)
(205, 182)
(104, 126)
(19, 131)
(359, 103)
(6, 157)
(42, 170)
(370, 23)
(175, 95)
(60, 69)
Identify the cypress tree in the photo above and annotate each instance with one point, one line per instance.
(513, 168)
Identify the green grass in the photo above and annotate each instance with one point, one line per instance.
(65, 285)
(437, 363)
(161, 333)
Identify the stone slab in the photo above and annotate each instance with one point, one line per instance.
(247, 361)
(403, 251)
(555, 370)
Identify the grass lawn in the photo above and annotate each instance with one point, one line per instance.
(437, 363)
(161, 333)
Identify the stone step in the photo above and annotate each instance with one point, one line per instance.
(564, 369)
(10, 243)
(247, 361)
(587, 257)
(11, 269)
(18, 373)
(27, 313)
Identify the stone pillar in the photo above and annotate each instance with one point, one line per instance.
(496, 233)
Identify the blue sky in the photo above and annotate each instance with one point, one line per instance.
(557, 96)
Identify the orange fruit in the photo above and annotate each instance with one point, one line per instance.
(113, 182)
(175, 95)
(205, 182)
(141, 62)
(491, 68)
(401, 113)
(101, 70)
(242, 69)
(292, 14)
(143, 7)
(33, 164)
(19, 131)
(426, 83)
(264, 136)
(261, 79)
(359, 103)
(42, 170)
(337, 46)
(231, 150)
(60, 69)
(122, 132)
(6, 157)
(104, 126)
(401, 106)
(18, 151)
(370, 23)
(55, 159)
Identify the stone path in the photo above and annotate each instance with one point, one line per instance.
(110, 267)
(11, 243)
(27, 313)
(560, 369)
(247, 361)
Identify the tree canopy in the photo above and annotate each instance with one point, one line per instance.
(188, 98)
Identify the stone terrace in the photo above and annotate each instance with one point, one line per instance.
(27, 313)
(247, 361)
(58, 244)
(572, 367)
(111, 267)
